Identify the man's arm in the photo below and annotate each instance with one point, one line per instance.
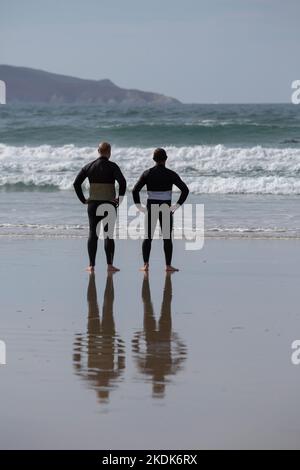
(121, 181)
(77, 185)
(183, 188)
(137, 188)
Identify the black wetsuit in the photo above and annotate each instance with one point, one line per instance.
(159, 181)
(102, 175)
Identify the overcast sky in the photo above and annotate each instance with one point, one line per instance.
(194, 50)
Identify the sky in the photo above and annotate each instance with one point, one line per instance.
(198, 51)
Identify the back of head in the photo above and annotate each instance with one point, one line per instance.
(160, 156)
(104, 149)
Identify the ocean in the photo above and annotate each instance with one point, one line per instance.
(241, 161)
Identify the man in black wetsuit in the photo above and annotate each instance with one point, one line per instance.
(102, 175)
(159, 181)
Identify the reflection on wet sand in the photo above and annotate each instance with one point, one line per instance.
(99, 355)
(158, 351)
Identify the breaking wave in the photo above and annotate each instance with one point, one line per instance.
(206, 169)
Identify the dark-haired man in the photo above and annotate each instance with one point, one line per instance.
(102, 175)
(159, 181)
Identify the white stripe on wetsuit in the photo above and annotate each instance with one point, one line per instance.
(160, 195)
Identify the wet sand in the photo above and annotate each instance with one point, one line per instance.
(198, 360)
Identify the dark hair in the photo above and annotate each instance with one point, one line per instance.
(159, 155)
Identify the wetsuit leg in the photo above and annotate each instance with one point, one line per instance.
(109, 247)
(150, 225)
(93, 237)
(146, 249)
(109, 244)
(167, 236)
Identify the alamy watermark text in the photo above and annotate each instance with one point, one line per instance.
(2, 92)
(2, 353)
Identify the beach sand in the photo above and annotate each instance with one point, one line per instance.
(200, 360)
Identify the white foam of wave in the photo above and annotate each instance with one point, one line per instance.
(259, 185)
(207, 169)
(226, 122)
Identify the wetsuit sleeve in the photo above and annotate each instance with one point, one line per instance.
(77, 185)
(136, 190)
(183, 188)
(121, 181)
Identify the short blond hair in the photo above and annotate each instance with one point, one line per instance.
(104, 148)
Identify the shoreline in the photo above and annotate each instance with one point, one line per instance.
(245, 237)
(60, 215)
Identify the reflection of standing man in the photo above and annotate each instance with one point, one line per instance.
(163, 352)
(103, 350)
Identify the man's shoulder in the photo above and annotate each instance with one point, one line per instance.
(148, 172)
(89, 165)
(113, 165)
(109, 163)
(158, 169)
(171, 173)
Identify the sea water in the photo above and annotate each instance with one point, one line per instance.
(241, 161)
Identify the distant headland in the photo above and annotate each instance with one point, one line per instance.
(26, 85)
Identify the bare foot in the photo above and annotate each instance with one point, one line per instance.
(90, 269)
(145, 268)
(171, 269)
(112, 269)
